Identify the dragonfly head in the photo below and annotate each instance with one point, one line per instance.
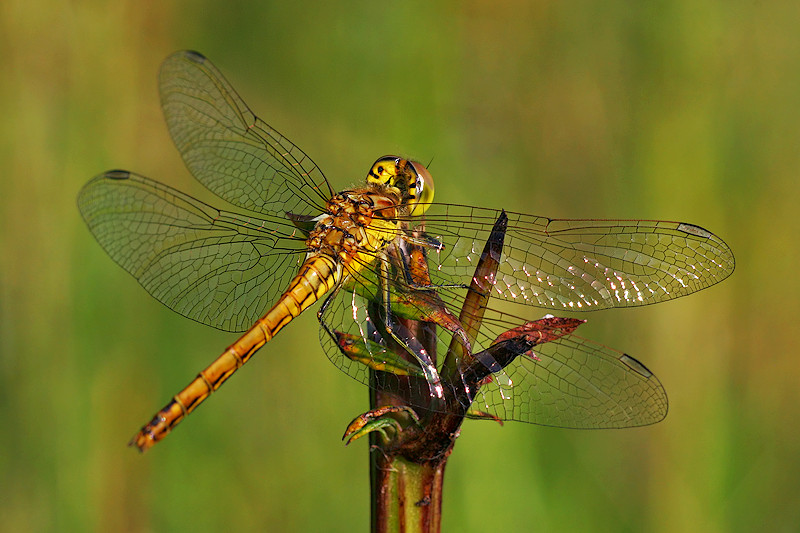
(411, 179)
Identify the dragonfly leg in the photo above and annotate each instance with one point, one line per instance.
(409, 343)
(423, 240)
(324, 307)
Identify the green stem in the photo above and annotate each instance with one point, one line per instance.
(406, 496)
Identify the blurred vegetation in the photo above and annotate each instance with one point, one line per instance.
(683, 110)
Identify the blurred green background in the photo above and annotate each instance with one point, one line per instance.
(685, 110)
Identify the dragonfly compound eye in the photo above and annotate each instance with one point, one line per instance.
(422, 189)
(410, 178)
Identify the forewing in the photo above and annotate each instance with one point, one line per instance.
(228, 149)
(578, 265)
(219, 268)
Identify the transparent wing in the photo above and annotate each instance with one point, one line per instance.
(578, 265)
(219, 268)
(566, 265)
(576, 383)
(571, 382)
(228, 149)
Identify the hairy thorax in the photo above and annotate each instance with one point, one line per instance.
(358, 225)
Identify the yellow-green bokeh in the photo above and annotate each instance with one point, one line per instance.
(686, 110)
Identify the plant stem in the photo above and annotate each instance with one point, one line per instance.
(406, 496)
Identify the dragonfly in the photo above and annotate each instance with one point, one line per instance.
(290, 240)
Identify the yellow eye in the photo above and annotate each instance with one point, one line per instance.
(423, 189)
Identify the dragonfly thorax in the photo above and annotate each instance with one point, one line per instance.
(358, 225)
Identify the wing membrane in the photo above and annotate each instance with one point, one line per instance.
(579, 265)
(576, 383)
(564, 265)
(219, 268)
(236, 155)
(570, 382)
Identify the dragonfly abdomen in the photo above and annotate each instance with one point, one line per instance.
(319, 274)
